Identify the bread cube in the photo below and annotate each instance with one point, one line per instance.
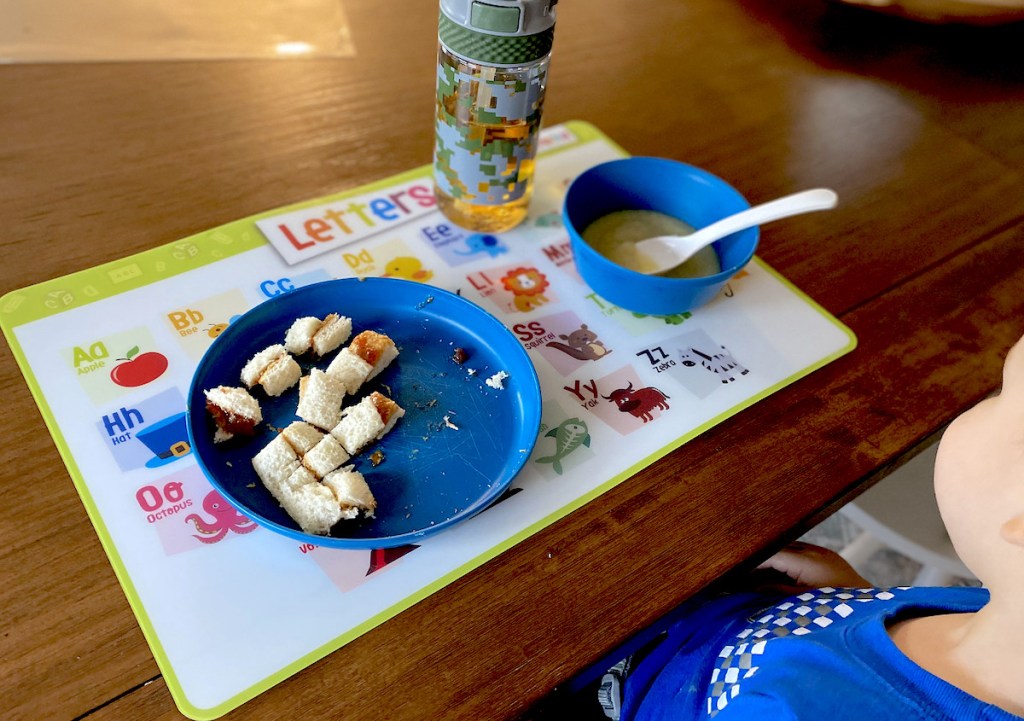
(325, 456)
(320, 398)
(301, 436)
(353, 495)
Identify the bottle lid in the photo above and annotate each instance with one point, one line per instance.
(498, 32)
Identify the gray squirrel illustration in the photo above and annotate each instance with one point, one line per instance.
(581, 344)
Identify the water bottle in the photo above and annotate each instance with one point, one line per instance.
(492, 66)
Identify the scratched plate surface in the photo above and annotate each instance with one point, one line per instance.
(434, 473)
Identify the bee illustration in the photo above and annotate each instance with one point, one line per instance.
(216, 329)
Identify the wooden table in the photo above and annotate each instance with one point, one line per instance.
(920, 130)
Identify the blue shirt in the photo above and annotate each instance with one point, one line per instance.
(824, 654)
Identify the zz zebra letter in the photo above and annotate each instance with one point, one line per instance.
(720, 363)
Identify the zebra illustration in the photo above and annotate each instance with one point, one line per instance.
(721, 363)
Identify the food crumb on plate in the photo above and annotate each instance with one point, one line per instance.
(496, 381)
(377, 457)
(448, 423)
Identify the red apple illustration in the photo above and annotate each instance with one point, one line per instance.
(138, 369)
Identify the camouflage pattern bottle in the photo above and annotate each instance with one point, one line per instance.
(492, 68)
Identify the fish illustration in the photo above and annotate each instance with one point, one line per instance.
(569, 435)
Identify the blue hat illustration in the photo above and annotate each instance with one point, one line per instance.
(167, 439)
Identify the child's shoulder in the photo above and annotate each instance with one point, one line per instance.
(820, 608)
(847, 629)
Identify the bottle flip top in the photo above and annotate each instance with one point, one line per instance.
(498, 32)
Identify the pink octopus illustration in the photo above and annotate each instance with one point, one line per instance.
(225, 518)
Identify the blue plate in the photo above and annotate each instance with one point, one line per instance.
(432, 475)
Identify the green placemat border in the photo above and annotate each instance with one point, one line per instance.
(78, 289)
(14, 312)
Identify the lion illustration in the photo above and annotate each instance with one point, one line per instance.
(527, 285)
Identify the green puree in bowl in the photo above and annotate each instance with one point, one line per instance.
(615, 237)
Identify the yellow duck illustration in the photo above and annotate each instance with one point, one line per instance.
(409, 268)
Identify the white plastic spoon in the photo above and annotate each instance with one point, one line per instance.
(665, 252)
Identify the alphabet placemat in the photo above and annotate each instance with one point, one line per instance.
(109, 353)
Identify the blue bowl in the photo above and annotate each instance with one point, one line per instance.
(683, 191)
(433, 476)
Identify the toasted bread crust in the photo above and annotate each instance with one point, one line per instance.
(386, 407)
(234, 411)
(375, 348)
(371, 346)
(229, 422)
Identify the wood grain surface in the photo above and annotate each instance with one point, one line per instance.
(920, 130)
